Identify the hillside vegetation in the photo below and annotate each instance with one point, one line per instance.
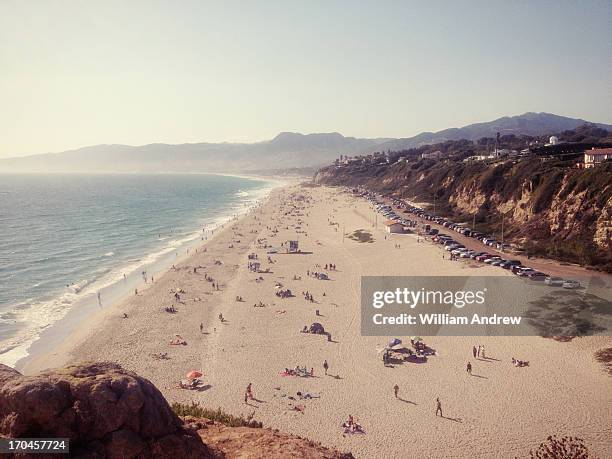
(549, 207)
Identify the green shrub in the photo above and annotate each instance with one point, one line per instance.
(546, 191)
(218, 415)
(561, 448)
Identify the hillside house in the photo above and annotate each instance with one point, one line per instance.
(596, 156)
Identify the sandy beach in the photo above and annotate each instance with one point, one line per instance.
(498, 411)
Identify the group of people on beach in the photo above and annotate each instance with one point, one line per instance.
(298, 371)
(351, 427)
(284, 293)
(478, 352)
(308, 296)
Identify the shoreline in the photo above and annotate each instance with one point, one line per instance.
(561, 391)
(116, 290)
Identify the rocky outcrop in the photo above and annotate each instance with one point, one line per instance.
(249, 443)
(104, 410)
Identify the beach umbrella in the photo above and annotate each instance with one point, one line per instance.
(193, 374)
(417, 338)
(394, 342)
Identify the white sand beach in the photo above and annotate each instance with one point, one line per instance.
(498, 411)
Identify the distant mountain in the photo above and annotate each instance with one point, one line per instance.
(287, 150)
(532, 124)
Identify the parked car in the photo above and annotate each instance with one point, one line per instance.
(492, 259)
(525, 272)
(536, 276)
(554, 281)
(571, 284)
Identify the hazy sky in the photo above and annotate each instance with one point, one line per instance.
(77, 73)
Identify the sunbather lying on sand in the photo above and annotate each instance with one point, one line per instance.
(306, 395)
(189, 383)
(160, 356)
(519, 363)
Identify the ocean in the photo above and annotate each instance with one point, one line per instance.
(64, 239)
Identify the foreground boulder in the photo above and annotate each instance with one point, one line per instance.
(105, 410)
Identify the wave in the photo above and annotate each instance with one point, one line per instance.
(34, 316)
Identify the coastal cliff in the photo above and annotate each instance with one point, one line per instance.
(549, 208)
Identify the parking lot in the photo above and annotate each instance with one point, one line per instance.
(541, 269)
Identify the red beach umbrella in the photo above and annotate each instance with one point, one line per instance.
(193, 374)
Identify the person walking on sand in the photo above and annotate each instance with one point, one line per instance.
(249, 391)
(474, 351)
(478, 353)
(396, 390)
(438, 407)
(469, 367)
(201, 327)
(482, 354)
(325, 366)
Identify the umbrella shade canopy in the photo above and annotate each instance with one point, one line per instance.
(394, 342)
(193, 374)
(417, 338)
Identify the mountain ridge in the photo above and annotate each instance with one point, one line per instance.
(285, 150)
